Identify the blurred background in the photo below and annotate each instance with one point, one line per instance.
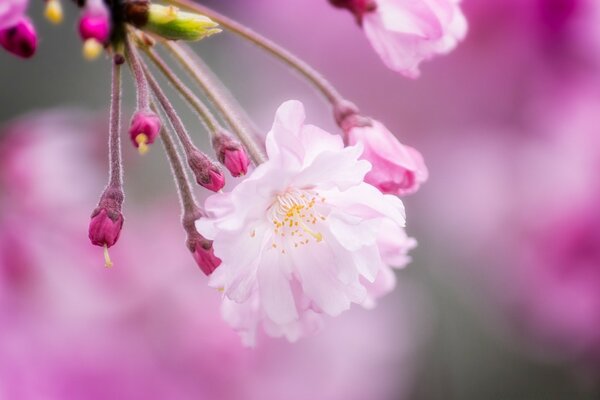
(502, 300)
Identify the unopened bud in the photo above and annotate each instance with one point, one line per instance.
(105, 227)
(357, 7)
(144, 129)
(203, 253)
(207, 173)
(107, 221)
(94, 25)
(231, 153)
(20, 39)
(171, 23)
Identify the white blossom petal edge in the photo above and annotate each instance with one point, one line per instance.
(303, 235)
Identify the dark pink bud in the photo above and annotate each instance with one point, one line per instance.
(20, 39)
(207, 173)
(144, 129)
(204, 255)
(105, 227)
(94, 26)
(231, 154)
(107, 219)
(357, 7)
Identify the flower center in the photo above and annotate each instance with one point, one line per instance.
(296, 216)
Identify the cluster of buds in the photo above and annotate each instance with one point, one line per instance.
(128, 32)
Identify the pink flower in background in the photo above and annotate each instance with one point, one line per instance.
(560, 264)
(397, 169)
(149, 328)
(407, 32)
(11, 12)
(300, 236)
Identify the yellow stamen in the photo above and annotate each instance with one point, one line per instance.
(92, 49)
(142, 141)
(107, 262)
(53, 11)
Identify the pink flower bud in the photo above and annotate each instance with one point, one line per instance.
(95, 25)
(357, 7)
(105, 227)
(204, 255)
(207, 173)
(144, 129)
(107, 219)
(20, 39)
(231, 154)
(397, 169)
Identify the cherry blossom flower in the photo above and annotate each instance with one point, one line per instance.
(404, 33)
(303, 235)
(397, 169)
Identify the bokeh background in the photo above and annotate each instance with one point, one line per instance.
(502, 300)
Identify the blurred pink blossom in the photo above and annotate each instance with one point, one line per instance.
(11, 12)
(405, 33)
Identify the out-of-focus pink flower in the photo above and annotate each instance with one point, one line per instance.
(150, 328)
(299, 237)
(560, 306)
(11, 12)
(93, 26)
(406, 32)
(397, 169)
(19, 39)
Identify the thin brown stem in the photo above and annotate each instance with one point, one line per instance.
(206, 116)
(308, 72)
(169, 110)
(143, 95)
(114, 139)
(184, 189)
(202, 75)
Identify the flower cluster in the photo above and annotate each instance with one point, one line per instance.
(316, 223)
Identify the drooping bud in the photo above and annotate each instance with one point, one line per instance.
(105, 227)
(231, 153)
(94, 26)
(203, 253)
(207, 173)
(94, 29)
(200, 247)
(144, 129)
(53, 11)
(107, 221)
(396, 168)
(20, 39)
(171, 23)
(357, 7)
